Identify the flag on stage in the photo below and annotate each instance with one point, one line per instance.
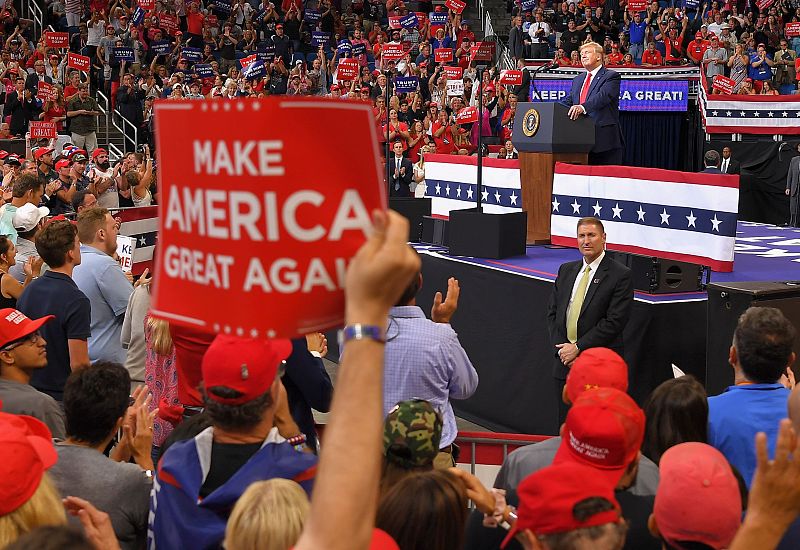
(683, 216)
(142, 224)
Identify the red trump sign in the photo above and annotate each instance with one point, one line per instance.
(80, 62)
(254, 240)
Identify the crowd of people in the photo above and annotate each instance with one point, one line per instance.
(754, 46)
(119, 429)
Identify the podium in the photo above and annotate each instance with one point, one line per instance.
(543, 135)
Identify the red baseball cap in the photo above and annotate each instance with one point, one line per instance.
(15, 325)
(698, 497)
(246, 365)
(27, 452)
(42, 151)
(63, 163)
(3, 154)
(547, 499)
(698, 34)
(596, 368)
(97, 152)
(604, 429)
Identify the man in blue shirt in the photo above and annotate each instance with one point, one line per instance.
(637, 30)
(55, 293)
(101, 278)
(760, 67)
(760, 355)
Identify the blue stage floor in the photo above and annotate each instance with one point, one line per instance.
(763, 253)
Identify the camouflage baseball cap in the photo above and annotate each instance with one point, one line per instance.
(411, 433)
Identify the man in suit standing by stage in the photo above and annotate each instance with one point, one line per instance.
(590, 304)
(401, 171)
(729, 164)
(793, 190)
(596, 95)
(711, 162)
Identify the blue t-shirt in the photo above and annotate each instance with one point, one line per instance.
(56, 294)
(762, 72)
(637, 32)
(738, 414)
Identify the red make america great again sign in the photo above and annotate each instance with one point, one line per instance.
(257, 225)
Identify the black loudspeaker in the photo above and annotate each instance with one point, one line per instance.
(435, 231)
(484, 235)
(414, 210)
(661, 276)
(726, 303)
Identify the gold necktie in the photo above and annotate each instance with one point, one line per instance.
(575, 307)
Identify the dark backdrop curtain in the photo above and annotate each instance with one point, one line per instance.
(763, 179)
(653, 140)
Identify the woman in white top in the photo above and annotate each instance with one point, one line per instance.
(418, 179)
(139, 181)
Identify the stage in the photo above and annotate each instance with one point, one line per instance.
(501, 322)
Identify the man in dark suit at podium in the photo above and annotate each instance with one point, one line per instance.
(401, 171)
(729, 164)
(596, 95)
(590, 304)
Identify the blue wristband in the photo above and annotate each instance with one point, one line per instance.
(361, 332)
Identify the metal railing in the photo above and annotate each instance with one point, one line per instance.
(32, 9)
(116, 115)
(105, 108)
(498, 445)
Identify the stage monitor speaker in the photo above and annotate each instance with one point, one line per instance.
(661, 276)
(485, 235)
(726, 303)
(414, 210)
(435, 231)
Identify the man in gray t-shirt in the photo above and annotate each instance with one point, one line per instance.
(22, 351)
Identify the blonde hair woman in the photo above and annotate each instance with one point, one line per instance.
(419, 173)
(269, 516)
(30, 499)
(161, 378)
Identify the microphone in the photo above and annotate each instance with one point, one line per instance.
(549, 66)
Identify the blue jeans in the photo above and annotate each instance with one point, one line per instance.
(636, 50)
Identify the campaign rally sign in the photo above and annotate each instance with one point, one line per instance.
(392, 51)
(453, 72)
(422, 17)
(467, 115)
(245, 61)
(345, 48)
(511, 78)
(455, 87)
(348, 69)
(792, 30)
(456, 6)
(634, 95)
(45, 91)
(138, 16)
(437, 18)
(637, 5)
(320, 38)
(222, 6)
(123, 54)
(312, 16)
(192, 54)
(482, 51)
(764, 4)
(80, 62)
(528, 5)
(409, 21)
(147, 4)
(125, 248)
(443, 55)
(692, 4)
(394, 22)
(204, 70)
(406, 84)
(359, 49)
(169, 23)
(254, 70)
(160, 47)
(724, 84)
(247, 222)
(56, 39)
(266, 56)
(264, 49)
(42, 130)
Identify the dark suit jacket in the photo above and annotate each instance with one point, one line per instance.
(711, 170)
(734, 167)
(400, 186)
(32, 82)
(516, 42)
(605, 310)
(523, 90)
(602, 106)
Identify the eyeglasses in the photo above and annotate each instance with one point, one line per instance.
(30, 338)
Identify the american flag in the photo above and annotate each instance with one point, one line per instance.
(451, 183)
(749, 114)
(142, 224)
(681, 216)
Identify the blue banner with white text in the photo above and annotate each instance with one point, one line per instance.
(634, 95)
